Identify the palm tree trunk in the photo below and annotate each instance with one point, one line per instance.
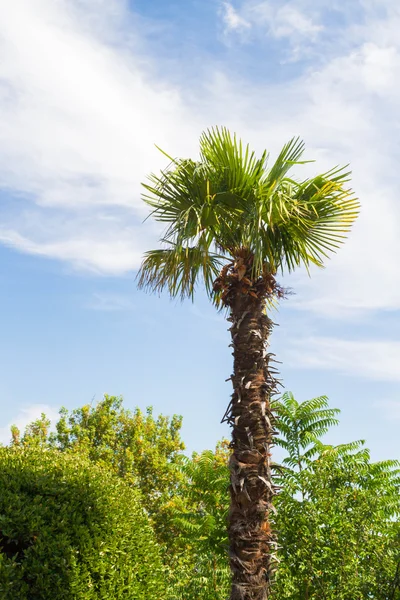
(252, 543)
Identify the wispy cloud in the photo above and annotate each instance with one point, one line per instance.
(80, 116)
(346, 110)
(298, 25)
(285, 21)
(101, 250)
(81, 111)
(232, 19)
(369, 359)
(25, 416)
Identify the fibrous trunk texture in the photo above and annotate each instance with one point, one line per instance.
(252, 543)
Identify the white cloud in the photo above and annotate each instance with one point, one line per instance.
(370, 359)
(25, 416)
(285, 21)
(80, 117)
(232, 20)
(353, 105)
(347, 112)
(298, 25)
(80, 113)
(93, 242)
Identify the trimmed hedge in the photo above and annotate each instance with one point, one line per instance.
(70, 529)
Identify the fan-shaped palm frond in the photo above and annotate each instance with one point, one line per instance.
(230, 200)
(178, 269)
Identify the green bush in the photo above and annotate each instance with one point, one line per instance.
(71, 530)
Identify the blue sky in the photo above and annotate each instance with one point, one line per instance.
(87, 87)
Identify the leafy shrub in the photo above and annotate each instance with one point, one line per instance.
(139, 447)
(72, 530)
(198, 518)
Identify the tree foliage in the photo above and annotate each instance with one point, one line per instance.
(72, 530)
(137, 446)
(337, 516)
(301, 426)
(198, 517)
(337, 513)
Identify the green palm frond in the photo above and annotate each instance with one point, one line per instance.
(177, 269)
(233, 166)
(301, 223)
(289, 155)
(230, 200)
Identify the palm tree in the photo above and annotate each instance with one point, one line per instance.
(232, 222)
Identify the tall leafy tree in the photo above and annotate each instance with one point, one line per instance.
(337, 513)
(233, 222)
(139, 447)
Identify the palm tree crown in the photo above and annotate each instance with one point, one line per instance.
(229, 202)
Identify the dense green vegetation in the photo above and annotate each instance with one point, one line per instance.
(337, 512)
(71, 529)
